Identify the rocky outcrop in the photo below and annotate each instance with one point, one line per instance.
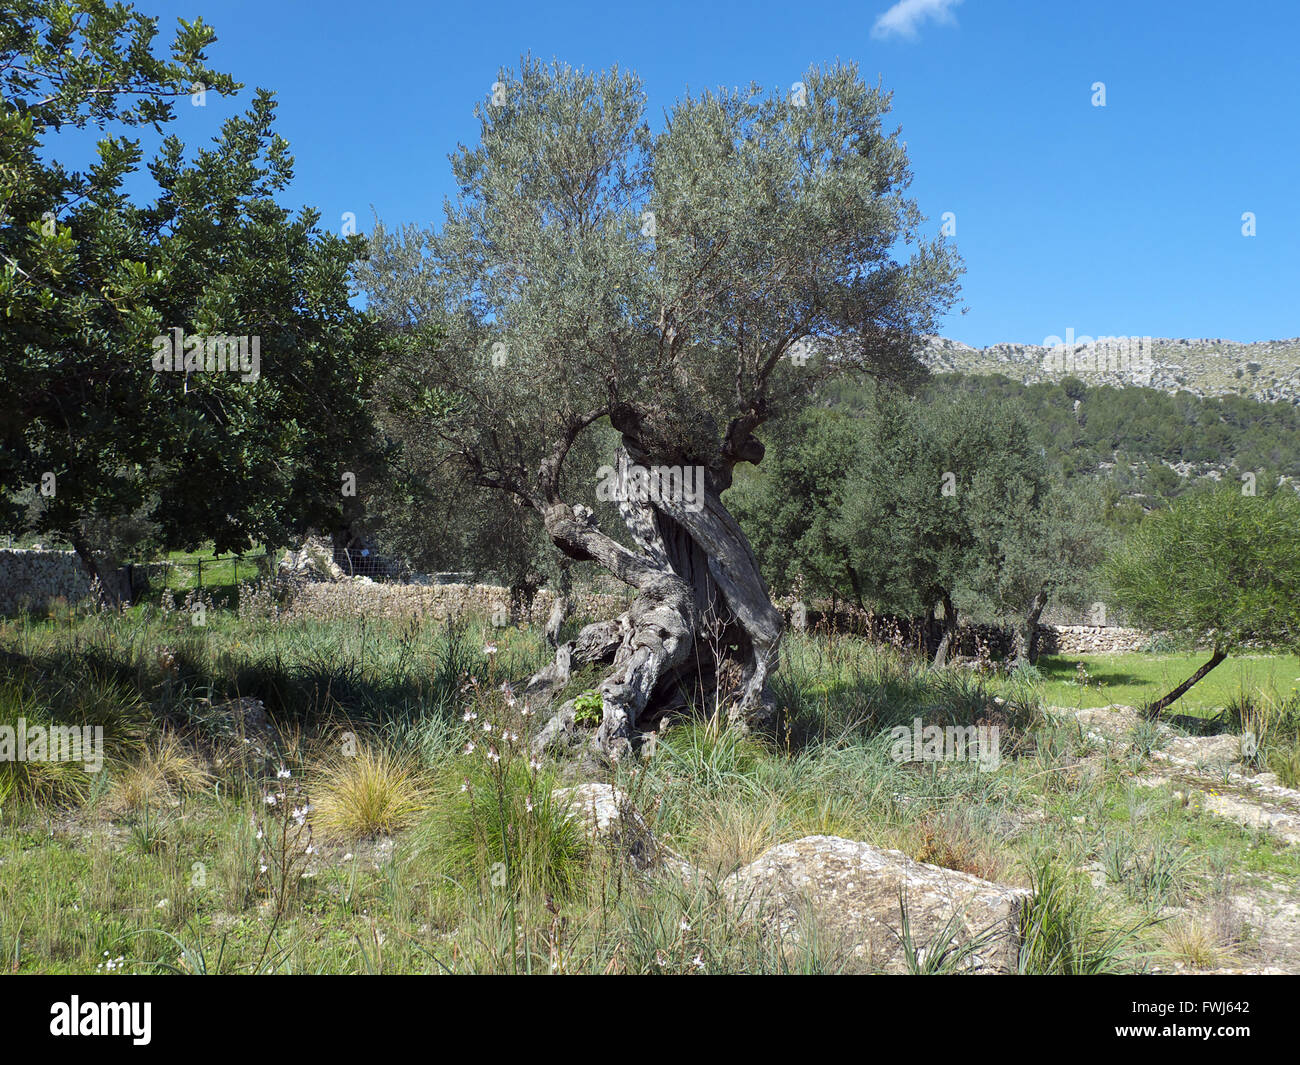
(851, 896)
(1264, 370)
(1207, 773)
(608, 816)
(313, 561)
(610, 819)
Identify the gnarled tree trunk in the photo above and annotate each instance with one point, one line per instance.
(1025, 646)
(948, 632)
(701, 632)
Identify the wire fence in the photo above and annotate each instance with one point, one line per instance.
(215, 571)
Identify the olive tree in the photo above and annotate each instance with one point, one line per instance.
(682, 286)
(1036, 537)
(1220, 566)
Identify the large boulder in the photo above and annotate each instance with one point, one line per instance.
(849, 893)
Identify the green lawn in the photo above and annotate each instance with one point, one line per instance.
(219, 573)
(1131, 678)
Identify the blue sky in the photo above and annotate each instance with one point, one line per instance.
(1117, 220)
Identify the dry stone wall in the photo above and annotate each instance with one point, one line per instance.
(32, 579)
(1091, 639)
(359, 596)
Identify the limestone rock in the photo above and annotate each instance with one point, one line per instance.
(313, 561)
(1224, 749)
(609, 816)
(849, 891)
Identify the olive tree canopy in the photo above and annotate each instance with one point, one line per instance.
(682, 287)
(1218, 565)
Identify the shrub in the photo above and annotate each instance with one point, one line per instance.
(503, 830)
(1065, 932)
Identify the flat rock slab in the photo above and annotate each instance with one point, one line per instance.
(1219, 750)
(1273, 818)
(1116, 723)
(1113, 722)
(849, 891)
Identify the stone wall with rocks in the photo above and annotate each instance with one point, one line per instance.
(31, 579)
(358, 597)
(972, 640)
(1091, 639)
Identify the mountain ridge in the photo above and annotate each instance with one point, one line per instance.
(1265, 370)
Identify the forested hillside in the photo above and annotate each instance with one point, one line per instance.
(1145, 442)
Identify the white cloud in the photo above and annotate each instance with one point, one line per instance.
(902, 19)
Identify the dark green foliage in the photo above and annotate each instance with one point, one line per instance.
(1218, 565)
(90, 279)
(901, 502)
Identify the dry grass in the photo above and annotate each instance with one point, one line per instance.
(369, 793)
(164, 772)
(735, 831)
(1195, 944)
(952, 842)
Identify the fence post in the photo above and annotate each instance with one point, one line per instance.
(199, 576)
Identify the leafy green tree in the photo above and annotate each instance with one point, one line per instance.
(1035, 538)
(940, 488)
(789, 507)
(425, 510)
(1220, 566)
(671, 283)
(929, 506)
(95, 436)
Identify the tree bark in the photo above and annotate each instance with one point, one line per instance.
(948, 632)
(1159, 705)
(560, 608)
(702, 632)
(1025, 647)
(112, 588)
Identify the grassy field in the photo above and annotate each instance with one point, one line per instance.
(401, 840)
(1129, 679)
(220, 576)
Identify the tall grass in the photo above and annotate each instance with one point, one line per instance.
(441, 846)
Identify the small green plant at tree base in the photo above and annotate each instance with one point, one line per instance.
(588, 709)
